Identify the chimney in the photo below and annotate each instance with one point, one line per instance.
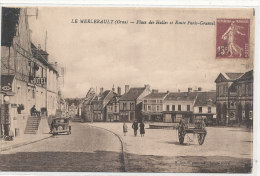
(199, 89)
(119, 90)
(168, 92)
(147, 86)
(113, 89)
(155, 91)
(189, 89)
(126, 88)
(101, 90)
(179, 90)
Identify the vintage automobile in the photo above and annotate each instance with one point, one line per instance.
(60, 125)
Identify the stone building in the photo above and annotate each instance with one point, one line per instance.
(130, 104)
(179, 105)
(234, 92)
(25, 77)
(153, 106)
(205, 107)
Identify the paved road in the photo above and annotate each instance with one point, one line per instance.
(87, 149)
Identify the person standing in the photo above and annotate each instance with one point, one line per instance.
(135, 127)
(125, 129)
(142, 131)
(33, 110)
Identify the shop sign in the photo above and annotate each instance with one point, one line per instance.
(38, 80)
(6, 82)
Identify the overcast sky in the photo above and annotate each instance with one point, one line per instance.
(167, 57)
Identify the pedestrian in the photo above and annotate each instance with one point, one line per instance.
(142, 131)
(125, 129)
(33, 110)
(135, 127)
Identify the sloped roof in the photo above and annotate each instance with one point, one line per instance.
(181, 96)
(133, 93)
(233, 76)
(203, 98)
(114, 99)
(98, 105)
(103, 95)
(43, 58)
(159, 95)
(247, 76)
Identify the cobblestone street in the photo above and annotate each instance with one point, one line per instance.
(86, 149)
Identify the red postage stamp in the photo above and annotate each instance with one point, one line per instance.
(232, 38)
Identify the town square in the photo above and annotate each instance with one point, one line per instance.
(103, 90)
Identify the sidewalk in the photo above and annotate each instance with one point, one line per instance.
(25, 139)
(228, 141)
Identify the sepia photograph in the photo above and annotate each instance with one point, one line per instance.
(127, 89)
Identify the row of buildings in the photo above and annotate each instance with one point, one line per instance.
(142, 103)
(232, 102)
(28, 76)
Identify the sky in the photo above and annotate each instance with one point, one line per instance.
(167, 57)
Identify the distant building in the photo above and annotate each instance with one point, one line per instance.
(130, 104)
(179, 105)
(87, 107)
(234, 93)
(153, 106)
(205, 107)
(99, 104)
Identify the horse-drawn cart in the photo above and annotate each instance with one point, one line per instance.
(197, 129)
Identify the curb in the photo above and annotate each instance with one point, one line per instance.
(123, 148)
(23, 144)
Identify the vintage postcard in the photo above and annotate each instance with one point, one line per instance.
(127, 89)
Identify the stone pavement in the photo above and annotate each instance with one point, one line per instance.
(22, 140)
(220, 141)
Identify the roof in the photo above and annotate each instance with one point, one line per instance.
(159, 95)
(114, 99)
(181, 96)
(133, 94)
(10, 18)
(204, 97)
(246, 76)
(104, 95)
(43, 58)
(233, 76)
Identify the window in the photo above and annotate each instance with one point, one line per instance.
(115, 110)
(188, 107)
(132, 106)
(145, 101)
(149, 108)
(173, 107)
(209, 109)
(168, 108)
(247, 90)
(200, 109)
(179, 107)
(157, 108)
(124, 106)
(144, 107)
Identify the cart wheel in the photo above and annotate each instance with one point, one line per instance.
(201, 138)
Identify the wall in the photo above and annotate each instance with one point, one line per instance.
(176, 103)
(205, 109)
